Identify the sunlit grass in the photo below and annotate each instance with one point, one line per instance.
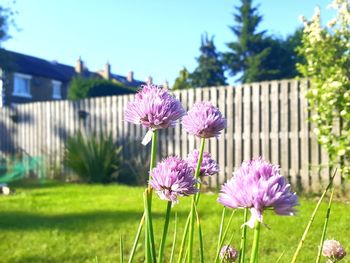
(77, 223)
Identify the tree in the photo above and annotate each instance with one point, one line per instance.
(6, 20)
(255, 56)
(248, 51)
(283, 56)
(210, 71)
(81, 88)
(183, 80)
(327, 65)
(3, 24)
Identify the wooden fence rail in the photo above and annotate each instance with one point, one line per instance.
(267, 119)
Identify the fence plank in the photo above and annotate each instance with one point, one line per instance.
(304, 140)
(265, 120)
(238, 127)
(184, 143)
(191, 100)
(294, 135)
(177, 133)
(255, 129)
(230, 133)
(284, 128)
(274, 125)
(247, 122)
(222, 139)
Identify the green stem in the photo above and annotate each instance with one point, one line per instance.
(150, 229)
(149, 234)
(132, 253)
(325, 226)
(192, 213)
(243, 237)
(184, 237)
(200, 237)
(152, 163)
(147, 241)
(165, 232)
(221, 228)
(255, 247)
(174, 241)
(306, 231)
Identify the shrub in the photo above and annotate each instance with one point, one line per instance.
(327, 63)
(93, 158)
(81, 88)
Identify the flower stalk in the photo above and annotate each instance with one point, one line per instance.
(325, 226)
(243, 237)
(165, 233)
(192, 213)
(255, 247)
(149, 234)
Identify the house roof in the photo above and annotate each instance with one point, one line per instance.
(38, 67)
(30, 65)
(123, 79)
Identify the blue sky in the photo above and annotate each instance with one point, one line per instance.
(150, 37)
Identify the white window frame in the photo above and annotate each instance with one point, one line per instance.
(55, 94)
(21, 94)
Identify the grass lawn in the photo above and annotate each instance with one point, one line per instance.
(81, 223)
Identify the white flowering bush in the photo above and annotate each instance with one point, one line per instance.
(327, 65)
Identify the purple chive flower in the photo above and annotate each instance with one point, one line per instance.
(172, 178)
(228, 254)
(204, 120)
(258, 185)
(333, 250)
(208, 167)
(154, 108)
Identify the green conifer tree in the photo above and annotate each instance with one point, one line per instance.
(248, 53)
(210, 70)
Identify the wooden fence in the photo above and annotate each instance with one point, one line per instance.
(267, 119)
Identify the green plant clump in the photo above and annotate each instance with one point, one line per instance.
(93, 158)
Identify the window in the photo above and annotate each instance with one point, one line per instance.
(56, 89)
(21, 87)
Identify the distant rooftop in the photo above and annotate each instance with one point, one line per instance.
(35, 66)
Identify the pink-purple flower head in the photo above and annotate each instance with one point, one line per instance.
(154, 108)
(208, 167)
(228, 254)
(173, 177)
(258, 185)
(333, 250)
(204, 120)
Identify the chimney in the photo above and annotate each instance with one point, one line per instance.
(149, 80)
(107, 71)
(79, 66)
(130, 76)
(166, 85)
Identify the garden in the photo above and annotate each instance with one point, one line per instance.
(254, 216)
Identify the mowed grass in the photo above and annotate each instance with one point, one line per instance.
(55, 222)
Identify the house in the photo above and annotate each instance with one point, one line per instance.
(25, 78)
